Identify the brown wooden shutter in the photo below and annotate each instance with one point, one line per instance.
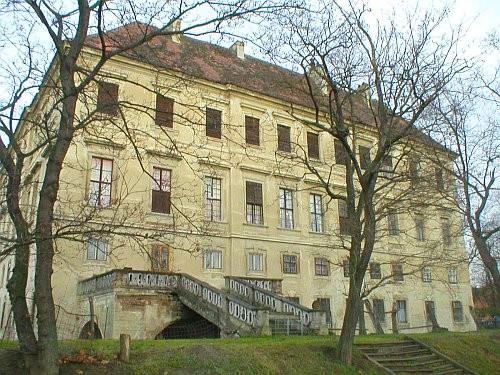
(164, 115)
(313, 145)
(213, 122)
(160, 201)
(340, 153)
(107, 98)
(254, 193)
(438, 172)
(284, 138)
(364, 157)
(252, 130)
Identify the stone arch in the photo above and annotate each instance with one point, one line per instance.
(86, 331)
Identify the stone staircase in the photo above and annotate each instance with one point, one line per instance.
(410, 356)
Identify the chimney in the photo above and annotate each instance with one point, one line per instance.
(317, 75)
(239, 48)
(175, 26)
(364, 90)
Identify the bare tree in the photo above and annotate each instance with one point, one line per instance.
(365, 77)
(32, 30)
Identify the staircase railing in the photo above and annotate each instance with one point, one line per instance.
(315, 320)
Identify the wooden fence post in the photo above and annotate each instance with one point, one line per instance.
(124, 347)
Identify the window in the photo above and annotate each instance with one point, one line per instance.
(458, 311)
(375, 271)
(107, 98)
(160, 196)
(430, 311)
(159, 258)
(100, 182)
(452, 276)
(345, 267)
(364, 157)
(386, 167)
(316, 210)
(397, 272)
(321, 267)
(164, 114)
(438, 172)
(426, 275)
(345, 226)
(379, 310)
(324, 304)
(252, 130)
(413, 170)
(419, 226)
(446, 232)
(284, 138)
(97, 249)
(286, 208)
(214, 123)
(401, 316)
(255, 262)
(213, 259)
(290, 264)
(392, 223)
(313, 145)
(254, 203)
(213, 202)
(340, 153)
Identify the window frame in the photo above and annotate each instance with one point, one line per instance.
(285, 199)
(392, 222)
(107, 98)
(344, 222)
(213, 205)
(399, 318)
(101, 183)
(96, 241)
(321, 266)
(457, 310)
(251, 257)
(452, 276)
(375, 270)
(313, 150)
(161, 191)
(213, 123)
(446, 232)
(316, 218)
(426, 274)
(364, 157)
(341, 155)
(420, 228)
(160, 258)
(290, 264)
(398, 272)
(345, 267)
(254, 203)
(211, 263)
(379, 313)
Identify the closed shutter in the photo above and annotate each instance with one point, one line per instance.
(213, 122)
(364, 157)
(164, 111)
(252, 130)
(160, 201)
(284, 138)
(340, 153)
(107, 98)
(313, 145)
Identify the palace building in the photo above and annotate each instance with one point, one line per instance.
(186, 201)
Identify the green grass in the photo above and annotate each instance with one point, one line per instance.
(268, 355)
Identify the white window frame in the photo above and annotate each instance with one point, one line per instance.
(452, 275)
(252, 264)
(401, 311)
(286, 208)
(101, 181)
(101, 249)
(316, 212)
(213, 259)
(213, 198)
(426, 274)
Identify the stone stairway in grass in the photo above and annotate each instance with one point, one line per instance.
(410, 356)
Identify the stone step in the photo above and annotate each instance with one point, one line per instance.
(452, 371)
(386, 343)
(413, 364)
(402, 353)
(416, 359)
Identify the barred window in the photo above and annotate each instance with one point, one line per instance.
(254, 203)
(316, 211)
(321, 267)
(213, 201)
(286, 208)
(290, 264)
(426, 275)
(452, 276)
(101, 176)
(160, 195)
(397, 272)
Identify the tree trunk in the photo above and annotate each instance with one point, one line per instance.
(344, 350)
(491, 265)
(361, 320)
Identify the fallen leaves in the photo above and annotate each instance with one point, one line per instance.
(83, 357)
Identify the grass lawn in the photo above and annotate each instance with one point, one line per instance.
(263, 355)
